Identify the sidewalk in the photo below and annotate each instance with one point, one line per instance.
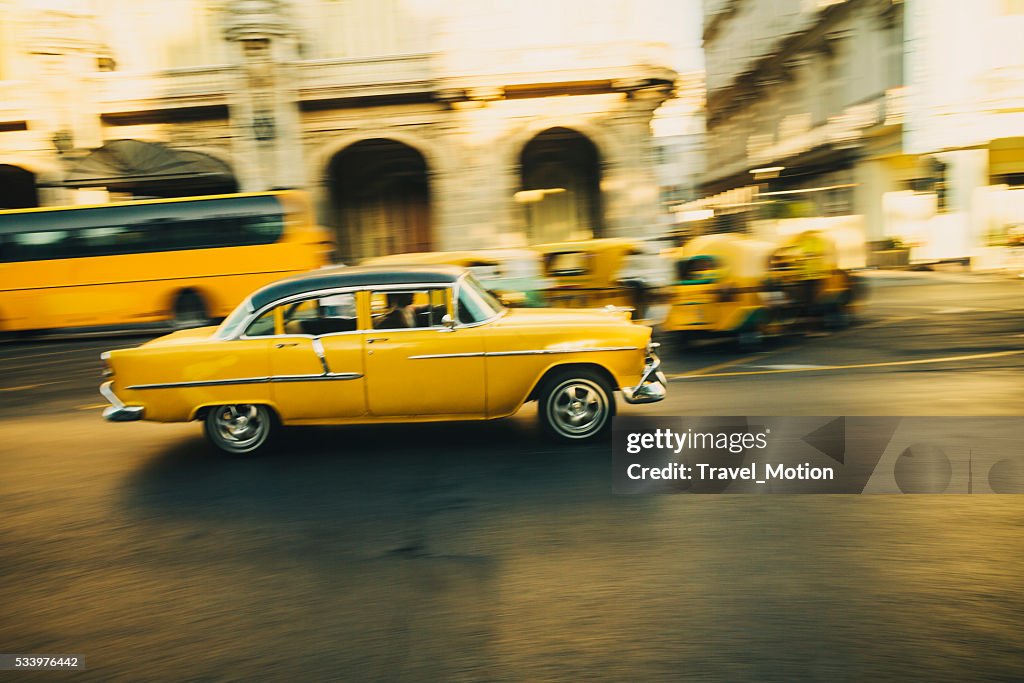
(943, 273)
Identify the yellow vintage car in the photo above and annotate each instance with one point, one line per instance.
(384, 344)
(597, 272)
(805, 270)
(720, 290)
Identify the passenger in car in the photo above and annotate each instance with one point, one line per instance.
(402, 313)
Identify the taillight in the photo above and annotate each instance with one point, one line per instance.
(108, 370)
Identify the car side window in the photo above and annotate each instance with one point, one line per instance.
(568, 263)
(262, 326)
(408, 309)
(314, 316)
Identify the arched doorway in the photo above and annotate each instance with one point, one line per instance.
(17, 188)
(380, 199)
(150, 169)
(560, 180)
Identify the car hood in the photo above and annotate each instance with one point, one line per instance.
(197, 334)
(521, 317)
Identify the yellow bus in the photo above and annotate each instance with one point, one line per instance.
(182, 262)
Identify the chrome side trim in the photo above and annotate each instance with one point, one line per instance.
(546, 352)
(316, 378)
(251, 380)
(318, 347)
(118, 411)
(529, 352)
(202, 383)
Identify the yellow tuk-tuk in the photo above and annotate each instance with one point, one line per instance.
(596, 273)
(514, 275)
(719, 290)
(805, 270)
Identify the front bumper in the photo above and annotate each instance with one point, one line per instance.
(652, 386)
(118, 411)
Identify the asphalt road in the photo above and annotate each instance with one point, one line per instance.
(479, 552)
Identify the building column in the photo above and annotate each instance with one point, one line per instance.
(966, 171)
(629, 186)
(263, 103)
(872, 179)
(473, 188)
(64, 123)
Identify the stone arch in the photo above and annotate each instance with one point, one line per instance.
(560, 173)
(604, 138)
(326, 149)
(379, 198)
(18, 187)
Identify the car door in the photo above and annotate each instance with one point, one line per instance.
(316, 358)
(425, 370)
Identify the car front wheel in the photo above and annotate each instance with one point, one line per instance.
(241, 429)
(575, 406)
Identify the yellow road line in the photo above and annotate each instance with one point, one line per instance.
(856, 366)
(26, 387)
(95, 406)
(706, 372)
(721, 366)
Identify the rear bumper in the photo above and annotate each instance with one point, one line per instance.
(118, 411)
(653, 385)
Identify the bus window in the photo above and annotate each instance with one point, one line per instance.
(34, 246)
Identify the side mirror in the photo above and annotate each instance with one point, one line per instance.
(448, 322)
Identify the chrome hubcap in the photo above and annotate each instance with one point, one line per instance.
(578, 407)
(240, 425)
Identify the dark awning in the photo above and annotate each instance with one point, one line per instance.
(137, 164)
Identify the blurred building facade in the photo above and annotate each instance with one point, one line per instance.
(415, 124)
(902, 116)
(679, 137)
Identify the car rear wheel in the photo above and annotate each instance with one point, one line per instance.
(241, 429)
(576, 405)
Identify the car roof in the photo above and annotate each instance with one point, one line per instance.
(465, 258)
(333, 277)
(597, 244)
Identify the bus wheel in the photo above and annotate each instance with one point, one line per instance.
(189, 311)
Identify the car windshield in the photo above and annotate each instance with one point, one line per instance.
(232, 324)
(480, 304)
(567, 264)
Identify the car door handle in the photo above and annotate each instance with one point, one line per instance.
(281, 345)
(376, 339)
